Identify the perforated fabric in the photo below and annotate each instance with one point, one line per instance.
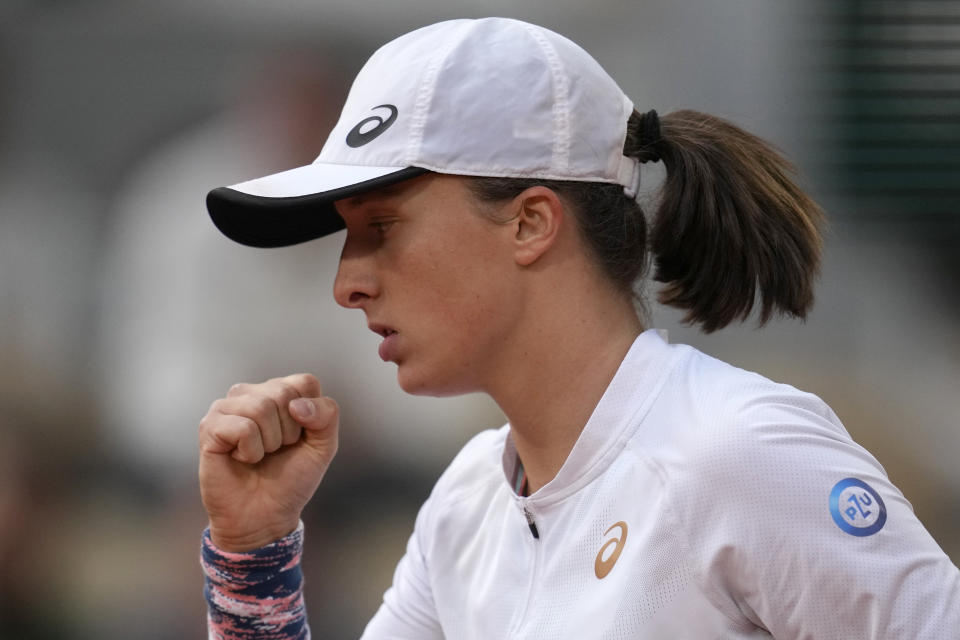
(720, 491)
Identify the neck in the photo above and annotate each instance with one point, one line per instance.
(557, 378)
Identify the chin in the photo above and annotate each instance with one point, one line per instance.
(419, 383)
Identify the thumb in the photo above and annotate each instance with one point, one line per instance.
(318, 417)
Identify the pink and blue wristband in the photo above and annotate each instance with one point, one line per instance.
(255, 594)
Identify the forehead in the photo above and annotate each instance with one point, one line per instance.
(422, 191)
(374, 195)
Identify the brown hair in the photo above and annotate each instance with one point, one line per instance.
(730, 226)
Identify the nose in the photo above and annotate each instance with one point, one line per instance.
(355, 283)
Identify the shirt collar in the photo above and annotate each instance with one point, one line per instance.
(615, 419)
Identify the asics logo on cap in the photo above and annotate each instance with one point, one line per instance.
(357, 137)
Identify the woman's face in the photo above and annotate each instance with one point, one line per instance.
(435, 278)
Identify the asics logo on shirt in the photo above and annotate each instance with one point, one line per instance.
(608, 557)
(357, 137)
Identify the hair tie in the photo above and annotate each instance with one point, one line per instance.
(649, 136)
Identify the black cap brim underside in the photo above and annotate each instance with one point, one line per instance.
(262, 221)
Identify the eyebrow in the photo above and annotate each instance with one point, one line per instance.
(376, 194)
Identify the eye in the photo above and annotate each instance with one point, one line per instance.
(381, 226)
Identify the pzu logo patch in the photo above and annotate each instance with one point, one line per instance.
(857, 508)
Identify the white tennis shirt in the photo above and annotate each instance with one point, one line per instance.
(701, 501)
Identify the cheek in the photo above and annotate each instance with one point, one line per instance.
(451, 306)
(471, 293)
(458, 280)
(454, 268)
(478, 319)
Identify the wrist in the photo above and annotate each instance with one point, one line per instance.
(231, 542)
(233, 570)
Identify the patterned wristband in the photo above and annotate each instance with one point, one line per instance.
(256, 593)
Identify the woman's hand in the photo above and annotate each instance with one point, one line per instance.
(263, 451)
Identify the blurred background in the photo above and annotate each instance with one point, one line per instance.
(123, 313)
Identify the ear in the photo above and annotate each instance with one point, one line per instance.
(536, 225)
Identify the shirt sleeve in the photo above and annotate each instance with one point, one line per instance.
(408, 611)
(255, 594)
(799, 529)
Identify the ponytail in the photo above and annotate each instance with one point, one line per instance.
(731, 227)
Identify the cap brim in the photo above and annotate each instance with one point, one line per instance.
(296, 205)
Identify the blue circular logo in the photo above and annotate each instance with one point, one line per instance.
(857, 508)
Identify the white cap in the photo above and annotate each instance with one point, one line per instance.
(494, 97)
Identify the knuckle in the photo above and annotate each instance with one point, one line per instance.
(207, 421)
(281, 393)
(306, 383)
(215, 407)
(204, 426)
(286, 392)
(237, 389)
(249, 428)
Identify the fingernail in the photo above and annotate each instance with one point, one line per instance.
(301, 408)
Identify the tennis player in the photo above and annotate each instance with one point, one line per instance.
(486, 173)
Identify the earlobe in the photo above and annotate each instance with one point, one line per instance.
(537, 224)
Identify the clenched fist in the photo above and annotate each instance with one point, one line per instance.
(263, 451)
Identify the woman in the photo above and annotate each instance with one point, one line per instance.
(486, 173)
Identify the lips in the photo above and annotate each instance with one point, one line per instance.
(382, 329)
(388, 347)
